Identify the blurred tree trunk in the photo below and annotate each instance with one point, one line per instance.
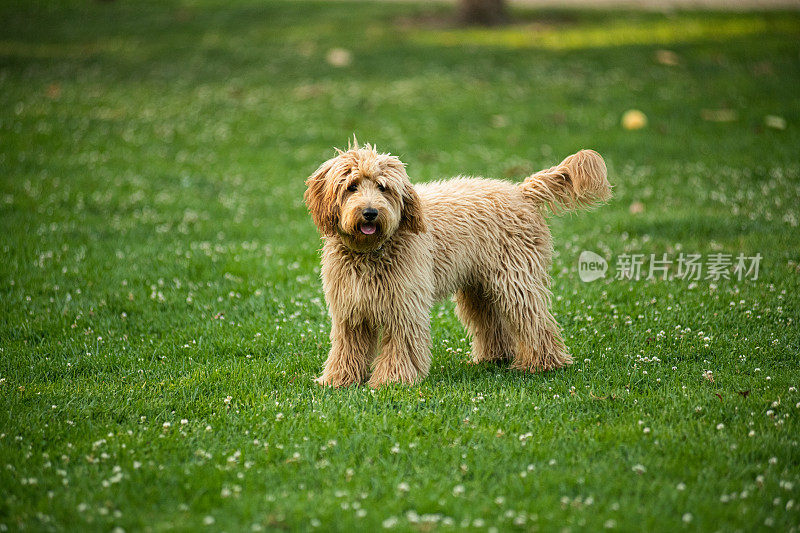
(485, 12)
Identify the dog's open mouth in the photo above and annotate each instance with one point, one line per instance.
(368, 228)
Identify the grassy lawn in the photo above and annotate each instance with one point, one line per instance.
(161, 315)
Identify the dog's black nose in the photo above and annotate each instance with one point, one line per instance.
(370, 213)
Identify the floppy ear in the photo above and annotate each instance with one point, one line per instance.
(411, 216)
(322, 206)
(412, 211)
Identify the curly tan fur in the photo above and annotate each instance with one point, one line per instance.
(392, 249)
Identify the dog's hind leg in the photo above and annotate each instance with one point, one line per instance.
(479, 313)
(538, 342)
(540, 346)
(352, 347)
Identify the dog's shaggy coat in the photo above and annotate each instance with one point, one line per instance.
(392, 249)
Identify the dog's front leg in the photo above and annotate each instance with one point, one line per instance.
(405, 352)
(352, 347)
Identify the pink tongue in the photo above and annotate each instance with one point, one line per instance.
(368, 229)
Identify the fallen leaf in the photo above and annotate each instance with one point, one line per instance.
(53, 91)
(184, 14)
(775, 122)
(719, 115)
(762, 68)
(499, 121)
(667, 57)
(339, 57)
(633, 119)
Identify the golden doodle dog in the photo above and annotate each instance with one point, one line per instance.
(392, 249)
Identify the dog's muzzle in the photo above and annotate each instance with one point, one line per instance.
(369, 227)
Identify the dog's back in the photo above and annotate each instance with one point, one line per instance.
(479, 227)
(475, 224)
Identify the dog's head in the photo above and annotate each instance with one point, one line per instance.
(363, 196)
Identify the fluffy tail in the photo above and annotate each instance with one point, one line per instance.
(579, 182)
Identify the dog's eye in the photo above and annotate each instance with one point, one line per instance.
(381, 188)
(352, 188)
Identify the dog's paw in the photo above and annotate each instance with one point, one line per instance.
(477, 359)
(376, 384)
(327, 381)
(331, 381)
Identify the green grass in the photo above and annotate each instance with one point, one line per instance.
(159, 266)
